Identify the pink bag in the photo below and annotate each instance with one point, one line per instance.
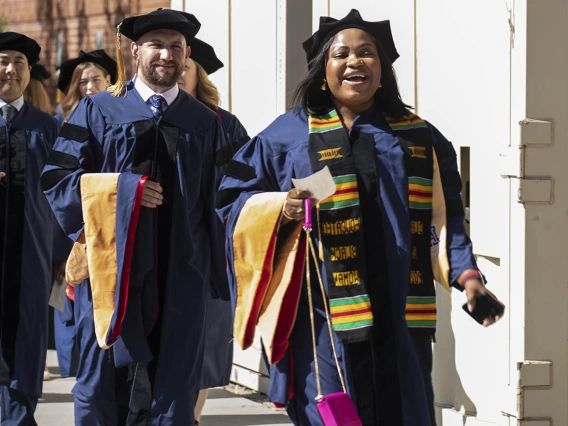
(335, 409)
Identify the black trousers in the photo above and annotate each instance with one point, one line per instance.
(423, 346)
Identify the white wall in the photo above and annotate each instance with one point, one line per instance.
(214, 18)
(259, 41)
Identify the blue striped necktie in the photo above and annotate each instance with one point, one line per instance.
(158, 104)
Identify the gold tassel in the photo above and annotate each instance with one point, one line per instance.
(118, 89)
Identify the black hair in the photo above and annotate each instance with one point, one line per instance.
(314, 101)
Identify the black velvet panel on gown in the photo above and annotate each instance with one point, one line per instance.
(373, 363)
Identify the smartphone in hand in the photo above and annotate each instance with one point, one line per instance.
(485, 306)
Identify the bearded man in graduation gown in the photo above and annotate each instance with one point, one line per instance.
(31, 243)
(132, 181)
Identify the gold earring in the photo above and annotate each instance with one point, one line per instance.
(323, 86)
(380, 85)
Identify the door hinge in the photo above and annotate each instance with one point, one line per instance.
(532, 376)
(512, 162)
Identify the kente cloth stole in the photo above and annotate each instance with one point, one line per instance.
(341, 227)
(415, 137)
(341, 231)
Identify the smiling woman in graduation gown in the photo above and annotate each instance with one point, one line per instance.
(392, 226)
(149, 270)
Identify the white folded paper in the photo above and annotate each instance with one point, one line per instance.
(320, 184)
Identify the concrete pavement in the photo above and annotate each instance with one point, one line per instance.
(222, 408)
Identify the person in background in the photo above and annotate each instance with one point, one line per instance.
(132, 181)
(195, 81)
(36, 95)
(29, 235)
(59, 95)
(86, 75)
(393, 225)
(35, 92)
(218, 352)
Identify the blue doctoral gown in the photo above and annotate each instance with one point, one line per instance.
(64, 329)
(218, 358)
(32, 243)
(59, 117)
(64, 326)
(119, 135)
(236, 132)
(267, 164)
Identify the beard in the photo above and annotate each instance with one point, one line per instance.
(161, 80)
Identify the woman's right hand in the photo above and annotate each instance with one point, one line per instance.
(294, 207)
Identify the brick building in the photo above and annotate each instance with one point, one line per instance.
(63, 27)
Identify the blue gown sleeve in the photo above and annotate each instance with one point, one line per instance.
(77, 150)
(459, 246)
(236, 130)
(60, 118)
(254, 169)
(217, 139)
(236, 135)
(61, 244)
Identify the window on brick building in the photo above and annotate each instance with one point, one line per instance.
(58, 49)
(100, 37)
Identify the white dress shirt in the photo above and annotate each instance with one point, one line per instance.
(145, 92)
(18, 103)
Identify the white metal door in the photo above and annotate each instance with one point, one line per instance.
(463, 56)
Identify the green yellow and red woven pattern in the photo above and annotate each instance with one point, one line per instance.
(421, 312)
(346, 193)
(419, 193)
(325, 123)
(408, 122)
(350, 313)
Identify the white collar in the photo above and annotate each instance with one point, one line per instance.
(18, 103)
(145, 92)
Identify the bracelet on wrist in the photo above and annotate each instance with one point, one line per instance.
(285, 213)
(469, 276)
